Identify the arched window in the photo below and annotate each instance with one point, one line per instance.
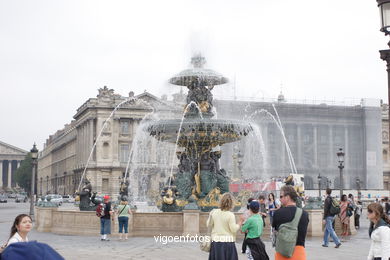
(384, 155)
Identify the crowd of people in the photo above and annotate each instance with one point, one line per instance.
(284, 214)
(288, 225)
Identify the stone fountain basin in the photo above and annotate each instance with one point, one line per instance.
(204, 132)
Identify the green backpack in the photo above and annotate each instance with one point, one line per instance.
(286, 238)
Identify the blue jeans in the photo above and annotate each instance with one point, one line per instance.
(105, 226)
(330, 231)
(123, 224)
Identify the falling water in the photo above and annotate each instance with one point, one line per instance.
(278, 124)
(98, 137)
(290, 157)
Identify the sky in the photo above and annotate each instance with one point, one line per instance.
(55, 55)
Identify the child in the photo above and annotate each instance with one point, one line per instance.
(254, 228)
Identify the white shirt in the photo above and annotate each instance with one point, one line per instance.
(380, 243)
(16, 238)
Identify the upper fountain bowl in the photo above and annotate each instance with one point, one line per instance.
(204, 132)
(198, 74)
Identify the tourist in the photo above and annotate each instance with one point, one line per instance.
(123, 212)
(253, 227)
(328, 221)
(105, 220)
(379, 233)
(245, 216)
(223, 230)
(263, 208)
(351, 201)
(20, 228)
(387, 206)
(272, 206)
(344, 215)
(358, 213)
(288, 198)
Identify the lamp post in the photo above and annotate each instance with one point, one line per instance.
(384, 8)
(34, 156)
(328, 183)
(358, 183)
(340, 156)
(319, 177)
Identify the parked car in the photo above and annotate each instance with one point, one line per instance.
(56, 198)
(68, 199)
(3, 198)
(20, 198)
(11, 195)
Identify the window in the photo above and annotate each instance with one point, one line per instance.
(125, 127)
(384, 155)
(106, 147)
(385, 136)
(124, 152)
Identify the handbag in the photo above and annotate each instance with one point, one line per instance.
(205, 245)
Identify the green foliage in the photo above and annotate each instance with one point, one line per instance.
(24, 172)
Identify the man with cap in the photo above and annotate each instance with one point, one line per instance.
(254, 228)
(105, 220)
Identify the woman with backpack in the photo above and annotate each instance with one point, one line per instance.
(123, 213)
(344, 215)
(379, 233)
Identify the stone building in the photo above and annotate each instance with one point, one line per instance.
(10, 158)
(314, 134)
(66, 153)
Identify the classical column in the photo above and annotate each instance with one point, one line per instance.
(331, 161)
(9, 173)
(1, 174)
(346, 150)
(315, 146)
(18, 165)
(299, 145)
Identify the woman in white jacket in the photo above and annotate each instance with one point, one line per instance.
(379, 233)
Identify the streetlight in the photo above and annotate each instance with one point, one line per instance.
(34, 156)
(358, 183)
(340, 156)
(328, 183)
(319, 177)
(384, 8)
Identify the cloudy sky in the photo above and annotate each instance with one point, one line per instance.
(54, 55)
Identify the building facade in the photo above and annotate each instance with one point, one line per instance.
(70, 152)
(10, 159)
(314, 134)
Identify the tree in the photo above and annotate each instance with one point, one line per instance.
(24, 172)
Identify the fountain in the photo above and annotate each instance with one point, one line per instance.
(199, 180)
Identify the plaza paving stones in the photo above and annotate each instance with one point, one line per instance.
(87, 247)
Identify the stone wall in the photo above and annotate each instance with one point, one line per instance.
(193, 222)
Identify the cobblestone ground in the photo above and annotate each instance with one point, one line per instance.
(87, 247)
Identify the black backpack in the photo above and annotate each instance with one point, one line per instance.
(334, 207)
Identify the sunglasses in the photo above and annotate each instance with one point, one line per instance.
(369, 211)
(281, 196)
